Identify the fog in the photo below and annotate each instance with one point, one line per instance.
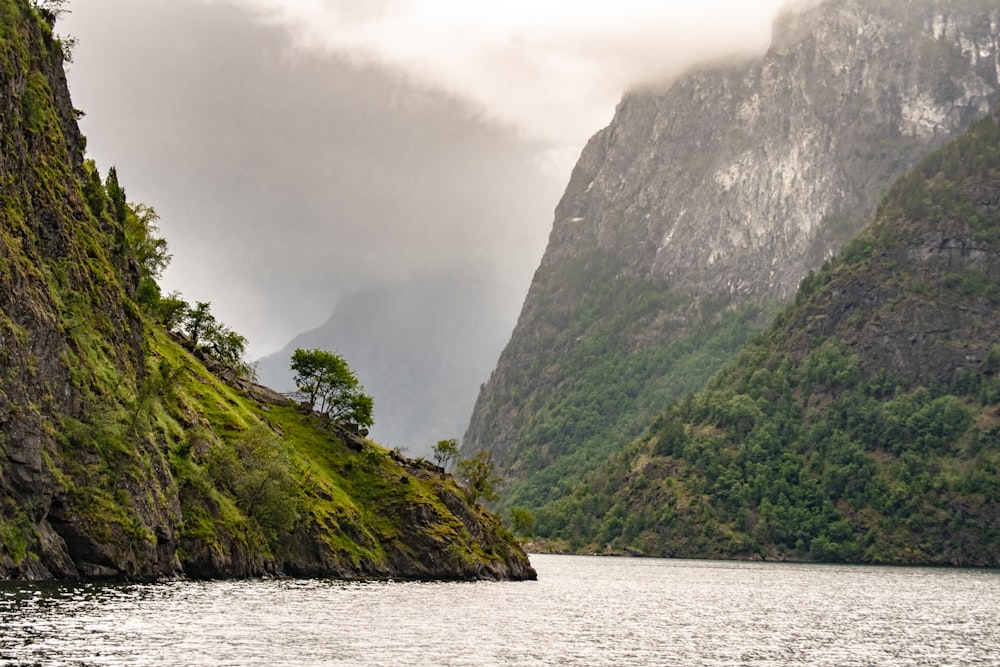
(551, 69)
(305, 154)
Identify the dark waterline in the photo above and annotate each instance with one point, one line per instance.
(581, 611)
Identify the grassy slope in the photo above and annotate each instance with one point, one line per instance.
(354, 503)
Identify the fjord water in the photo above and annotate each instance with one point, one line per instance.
(581, 611)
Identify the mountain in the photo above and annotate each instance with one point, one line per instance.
(863, 427)
(126, 450)
(702, 206)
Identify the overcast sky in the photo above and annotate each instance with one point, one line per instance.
(299, 151)
(553, 69)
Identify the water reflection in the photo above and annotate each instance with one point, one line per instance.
(581, 611)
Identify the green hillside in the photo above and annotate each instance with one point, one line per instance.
(863, 427)
(617, 370)
(128, 451)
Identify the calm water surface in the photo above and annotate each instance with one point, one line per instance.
(581, 611)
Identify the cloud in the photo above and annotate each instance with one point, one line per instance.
(551, 69)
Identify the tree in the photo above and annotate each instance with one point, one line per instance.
(51, 10)
(328, 384)
(171, 311)
(206, 333)
(142, 233)
(116, 193)
(225, 345)
(480, 476)
(522, 522)
(136, 232)
(198, 321)
(56, 7)
(254, 468)
(445, 451)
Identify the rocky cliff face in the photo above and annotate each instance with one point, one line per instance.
(732, 183)
(56, 266)
(739, 180)
(125, 454)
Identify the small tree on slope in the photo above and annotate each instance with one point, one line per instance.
(328, 384)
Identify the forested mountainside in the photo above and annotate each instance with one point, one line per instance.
(126, 451)
(704, 204)
(863, 427)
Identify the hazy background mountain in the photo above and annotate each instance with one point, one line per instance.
(703, 204)
(417, 349)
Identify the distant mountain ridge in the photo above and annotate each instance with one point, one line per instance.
(702, 205)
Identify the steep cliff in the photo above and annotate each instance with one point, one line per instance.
(124, 453)
(865, 426)
(701, 205)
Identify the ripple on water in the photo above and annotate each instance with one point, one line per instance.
(581, 611)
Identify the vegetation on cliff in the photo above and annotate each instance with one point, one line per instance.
(613, 376)
(863, 427)
(130, 451)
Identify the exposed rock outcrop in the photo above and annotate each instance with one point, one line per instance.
(54, 275)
